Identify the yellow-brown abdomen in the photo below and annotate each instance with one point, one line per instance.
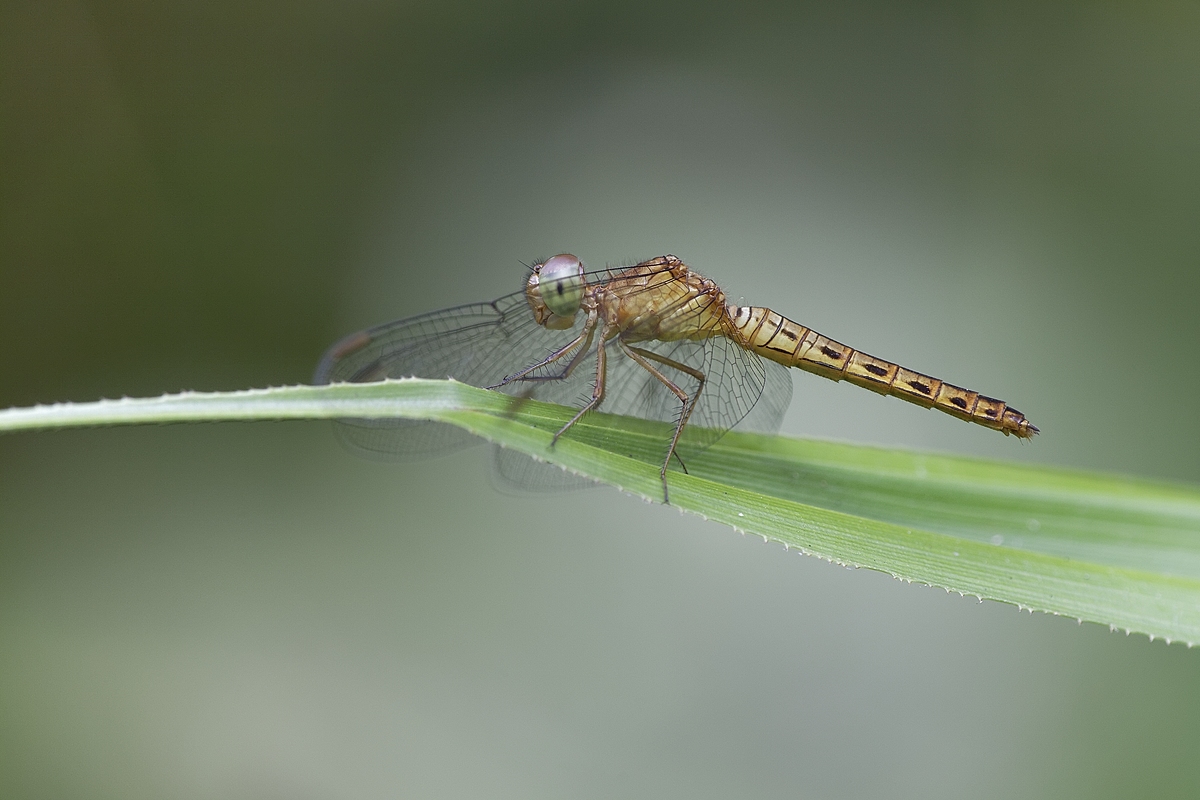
(776, 337)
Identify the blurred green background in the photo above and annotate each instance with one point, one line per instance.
(204, 195)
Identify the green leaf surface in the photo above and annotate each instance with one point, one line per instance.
(1113, 550)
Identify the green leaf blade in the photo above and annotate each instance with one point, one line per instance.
(1108, 549)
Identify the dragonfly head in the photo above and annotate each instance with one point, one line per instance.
(555, 290)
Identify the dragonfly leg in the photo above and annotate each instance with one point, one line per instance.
(584, 338)
(643, 358)
(597, 389)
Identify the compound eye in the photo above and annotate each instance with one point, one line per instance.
(561, 281)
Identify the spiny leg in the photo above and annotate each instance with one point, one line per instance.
(597, 388)
(584, 337)
(643, 358)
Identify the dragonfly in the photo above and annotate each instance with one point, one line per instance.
(655, 340)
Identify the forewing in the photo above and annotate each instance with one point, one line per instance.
(479, 344)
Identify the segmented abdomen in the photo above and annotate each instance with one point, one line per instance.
(778, 338)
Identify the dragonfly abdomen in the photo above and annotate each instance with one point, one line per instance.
(778, 338)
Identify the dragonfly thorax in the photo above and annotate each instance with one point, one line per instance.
(555, 290)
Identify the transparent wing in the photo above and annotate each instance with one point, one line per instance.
(740, 388)
(767, 414)
(479, 344)
(512, 469)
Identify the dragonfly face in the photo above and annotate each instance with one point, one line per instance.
(555, 290)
